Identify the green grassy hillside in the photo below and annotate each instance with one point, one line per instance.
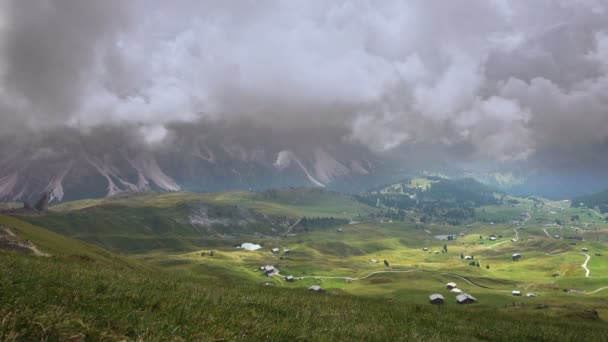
(59, 299)
(186, 221)
(433, 199)
(185, 292)
(59, 246)
(293, 202)
(597, 200)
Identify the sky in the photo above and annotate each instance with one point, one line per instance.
(502, 81)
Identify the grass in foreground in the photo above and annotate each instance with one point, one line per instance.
(58, 299)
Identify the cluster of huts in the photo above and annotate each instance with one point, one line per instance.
(461, 298)
(269, 270)
(276, 250)
(465, 298)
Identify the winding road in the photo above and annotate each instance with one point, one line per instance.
(584, 265)
(558, 254)
(470, 282)
(360, 278)
(498, 243)
(598, 290)
(517, 233)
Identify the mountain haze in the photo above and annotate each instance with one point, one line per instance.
(72, 165)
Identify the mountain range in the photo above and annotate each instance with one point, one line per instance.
(73, 165)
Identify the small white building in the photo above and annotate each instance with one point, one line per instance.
(456, 290)
(492, 238)
(436, 298)
(316, 288)
(450, 285)
(516, 293)
(468, 257)
(585, 249)
(425, 249)
(465, 298)
(269, 270)
(276, 251)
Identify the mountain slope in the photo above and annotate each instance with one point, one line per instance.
(597, 200)
(433, 198)
(56, 245)
(140, 222)
(72, 165)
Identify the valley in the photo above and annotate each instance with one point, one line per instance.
(175, 230)
(342, 259)
(313, 237)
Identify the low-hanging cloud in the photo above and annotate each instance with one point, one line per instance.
(509, 79)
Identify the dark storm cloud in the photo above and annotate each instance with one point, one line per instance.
(488, 80)
(50, 51)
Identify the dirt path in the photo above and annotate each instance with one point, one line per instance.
(558, 254)
(516, 237)
(523, 223)
(470, 282)
(467, 280)
(17, 241)
(584, 265)
(278, 276)
(598, 290)
(269, 221)
(498, 243)
(292, 227)
(354, 278)
(37, 251)
(10, 232)
(517, 233)
(596, 213)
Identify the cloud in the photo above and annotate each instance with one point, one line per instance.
(49, 56)
(494, 76)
